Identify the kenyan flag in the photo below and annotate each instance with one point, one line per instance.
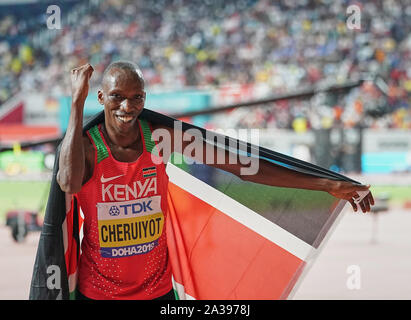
(227, 238)
(149, 172)
(230, 239)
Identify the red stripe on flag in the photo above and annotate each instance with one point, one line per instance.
(215, 257)
(70, 254)
(72, 245)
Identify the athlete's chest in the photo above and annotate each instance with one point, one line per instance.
(127, 154)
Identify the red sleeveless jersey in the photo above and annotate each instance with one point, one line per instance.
(124, 249)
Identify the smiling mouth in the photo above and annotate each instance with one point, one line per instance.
(124, 119)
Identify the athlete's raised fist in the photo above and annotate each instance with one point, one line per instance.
(80, 83)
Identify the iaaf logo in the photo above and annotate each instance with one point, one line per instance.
(114, 211)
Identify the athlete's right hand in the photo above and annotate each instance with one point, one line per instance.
(80, 83)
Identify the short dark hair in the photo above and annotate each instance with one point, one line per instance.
(124, 65)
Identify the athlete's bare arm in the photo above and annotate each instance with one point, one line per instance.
(276, 175)
(76, 154)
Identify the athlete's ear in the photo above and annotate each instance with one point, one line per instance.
(100, 97)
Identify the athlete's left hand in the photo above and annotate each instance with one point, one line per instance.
(348, 191)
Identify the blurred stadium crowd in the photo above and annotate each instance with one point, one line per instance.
(268, 46)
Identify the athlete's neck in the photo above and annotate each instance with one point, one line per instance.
(123, 140)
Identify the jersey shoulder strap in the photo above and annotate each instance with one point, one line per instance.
(148, 139)
(102, 151)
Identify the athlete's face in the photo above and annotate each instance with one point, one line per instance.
(123, 97)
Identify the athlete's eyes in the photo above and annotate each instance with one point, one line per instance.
(116, 97)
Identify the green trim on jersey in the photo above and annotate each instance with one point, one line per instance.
(149, 142)
(102, 151)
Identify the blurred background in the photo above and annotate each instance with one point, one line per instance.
(318, 89)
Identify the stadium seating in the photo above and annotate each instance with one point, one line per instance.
(279, 46)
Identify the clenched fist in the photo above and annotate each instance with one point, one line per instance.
(80, 83)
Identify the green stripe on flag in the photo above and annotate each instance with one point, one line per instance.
(72, 295)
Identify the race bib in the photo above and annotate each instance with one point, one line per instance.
(130, 227)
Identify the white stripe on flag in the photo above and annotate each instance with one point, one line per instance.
(181, 292)
(239, 212)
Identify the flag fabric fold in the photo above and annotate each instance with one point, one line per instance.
(227, 238)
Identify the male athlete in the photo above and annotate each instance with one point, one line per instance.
(111, 169)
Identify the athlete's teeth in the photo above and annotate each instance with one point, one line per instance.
(125, 119)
